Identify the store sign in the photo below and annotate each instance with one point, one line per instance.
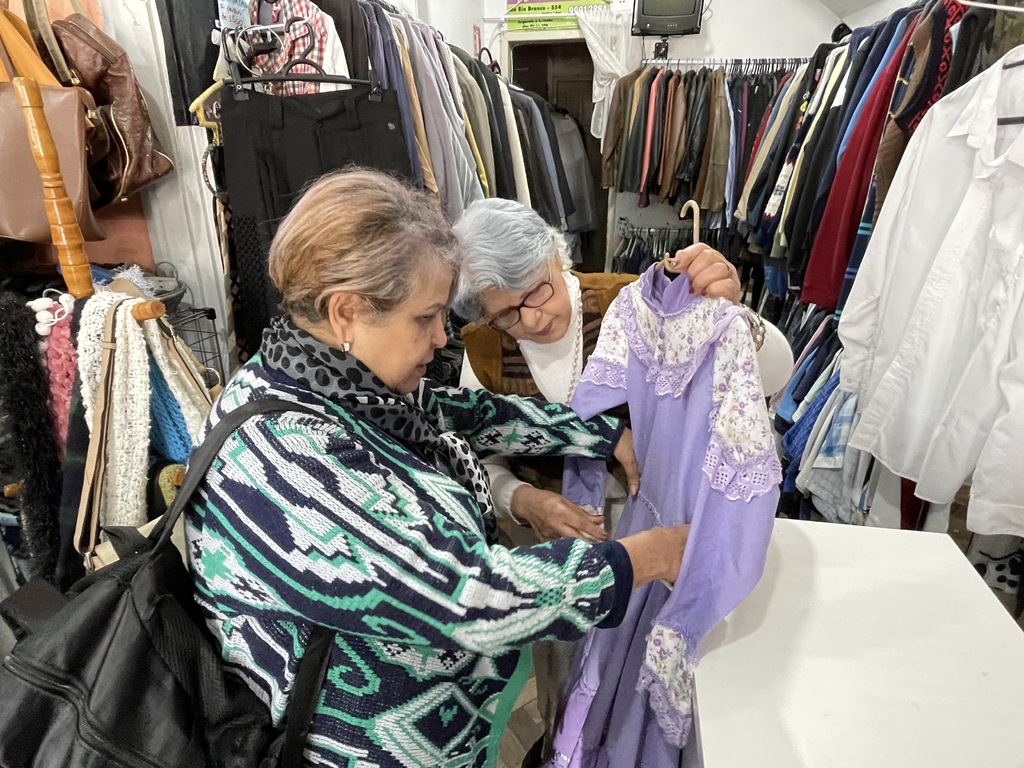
(523, 16)
(234, 13)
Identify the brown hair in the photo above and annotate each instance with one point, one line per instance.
(360, 231)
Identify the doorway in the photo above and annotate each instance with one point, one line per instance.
(562, 73)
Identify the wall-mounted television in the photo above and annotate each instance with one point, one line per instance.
(667, 17)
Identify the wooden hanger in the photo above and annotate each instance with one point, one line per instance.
(689, 205)
(64, 229)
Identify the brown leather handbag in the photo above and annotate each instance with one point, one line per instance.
(22, 213)
(136, 156)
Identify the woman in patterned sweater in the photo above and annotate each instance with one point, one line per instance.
(377, 521)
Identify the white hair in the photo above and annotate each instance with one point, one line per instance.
(503, 245)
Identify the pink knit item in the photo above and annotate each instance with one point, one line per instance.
(61, 364)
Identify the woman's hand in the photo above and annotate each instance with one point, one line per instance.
(627, 458)
(553, 517)
(710, 273)
(656, 553)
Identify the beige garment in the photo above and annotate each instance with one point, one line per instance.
(477, 118)
(481, 172)
(419, 128)
(767, 141)
(634, 103)
(518, 160)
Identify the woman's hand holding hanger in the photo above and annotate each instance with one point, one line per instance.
(710, 273)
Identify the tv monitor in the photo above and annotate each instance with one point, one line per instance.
(667, 17)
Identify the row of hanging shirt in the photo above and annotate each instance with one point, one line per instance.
(909, 380)
(469, 132)
(678, 135)
(334, 83)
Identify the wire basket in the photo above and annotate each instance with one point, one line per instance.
(197, 327)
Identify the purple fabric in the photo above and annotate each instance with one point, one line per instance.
(686, 366)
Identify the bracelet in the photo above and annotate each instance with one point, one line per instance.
(757, 329)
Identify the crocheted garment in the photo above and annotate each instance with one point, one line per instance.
(150, 386)
(128, 439)
(192, 399)
(169, 437)
(90, 344)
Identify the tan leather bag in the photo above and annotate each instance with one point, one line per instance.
(22, 214)
(136, 156)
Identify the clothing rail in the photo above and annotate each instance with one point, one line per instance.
(627, 230)
(994, 7)
(780, 62)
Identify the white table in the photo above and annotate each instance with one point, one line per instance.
(863, 648)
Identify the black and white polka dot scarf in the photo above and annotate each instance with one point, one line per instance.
(345, 380)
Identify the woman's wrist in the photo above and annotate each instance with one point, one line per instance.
(519, 507)
(656, 554)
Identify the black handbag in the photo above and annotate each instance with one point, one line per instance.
(123, 672)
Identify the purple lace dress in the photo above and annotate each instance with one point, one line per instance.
(687, 368)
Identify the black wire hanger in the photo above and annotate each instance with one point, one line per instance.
(285, 74)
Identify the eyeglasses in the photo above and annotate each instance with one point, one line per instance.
(536, 298)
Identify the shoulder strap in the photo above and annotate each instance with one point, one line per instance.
(312, 669)
(38, 20)
(309, 679)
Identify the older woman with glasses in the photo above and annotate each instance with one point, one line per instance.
(534, 323)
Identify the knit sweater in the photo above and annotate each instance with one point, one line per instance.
(303, 521)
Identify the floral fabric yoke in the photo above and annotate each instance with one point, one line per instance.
(687, 368)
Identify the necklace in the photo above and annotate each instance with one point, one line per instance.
(577, 355)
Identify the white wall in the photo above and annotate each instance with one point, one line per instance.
(452, 18)
(874, 12)
(732, 28)
(756, 28)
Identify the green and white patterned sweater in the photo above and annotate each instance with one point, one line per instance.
(302, 521)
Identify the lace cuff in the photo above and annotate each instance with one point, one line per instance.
(740, 479)
(605, 373)
(667, 677)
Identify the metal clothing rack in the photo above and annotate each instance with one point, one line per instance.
(770, 63)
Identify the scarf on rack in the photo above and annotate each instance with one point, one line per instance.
(344, 380)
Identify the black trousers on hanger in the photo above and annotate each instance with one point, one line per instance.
(274, 147)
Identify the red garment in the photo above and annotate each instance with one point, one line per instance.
(833, 245)
(651, 117)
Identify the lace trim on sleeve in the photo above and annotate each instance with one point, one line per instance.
(605, 373)
(609, 362)
(741, 460)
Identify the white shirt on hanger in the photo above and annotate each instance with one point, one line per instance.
(934, 326)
